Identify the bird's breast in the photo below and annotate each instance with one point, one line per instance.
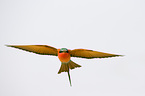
(64, 57)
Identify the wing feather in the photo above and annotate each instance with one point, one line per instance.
(38, 49)
(89, 54)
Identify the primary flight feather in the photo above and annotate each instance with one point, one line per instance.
(64, 55)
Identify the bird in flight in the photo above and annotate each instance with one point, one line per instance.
(64, 55)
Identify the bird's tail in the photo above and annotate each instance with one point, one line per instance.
(66, 66)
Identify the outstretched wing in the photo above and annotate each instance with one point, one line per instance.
(89, 54)
(38, 49)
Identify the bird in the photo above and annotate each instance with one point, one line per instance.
(64, 55)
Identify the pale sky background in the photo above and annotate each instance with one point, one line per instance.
(113, 26)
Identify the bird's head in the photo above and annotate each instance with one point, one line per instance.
(63, 50)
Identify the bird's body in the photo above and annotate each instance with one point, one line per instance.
(64, 55)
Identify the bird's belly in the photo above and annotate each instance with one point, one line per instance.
(64, 57)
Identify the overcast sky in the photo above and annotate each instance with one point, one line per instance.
(112, 26)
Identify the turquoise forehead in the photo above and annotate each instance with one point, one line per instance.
(63, 49)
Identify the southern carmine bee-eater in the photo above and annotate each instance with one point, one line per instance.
(64, 55)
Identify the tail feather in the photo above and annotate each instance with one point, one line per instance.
(69, 78)
(63, 68)
(73, 65)
(66, 66)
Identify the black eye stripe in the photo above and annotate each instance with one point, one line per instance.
(60, 51)
(63, 51)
